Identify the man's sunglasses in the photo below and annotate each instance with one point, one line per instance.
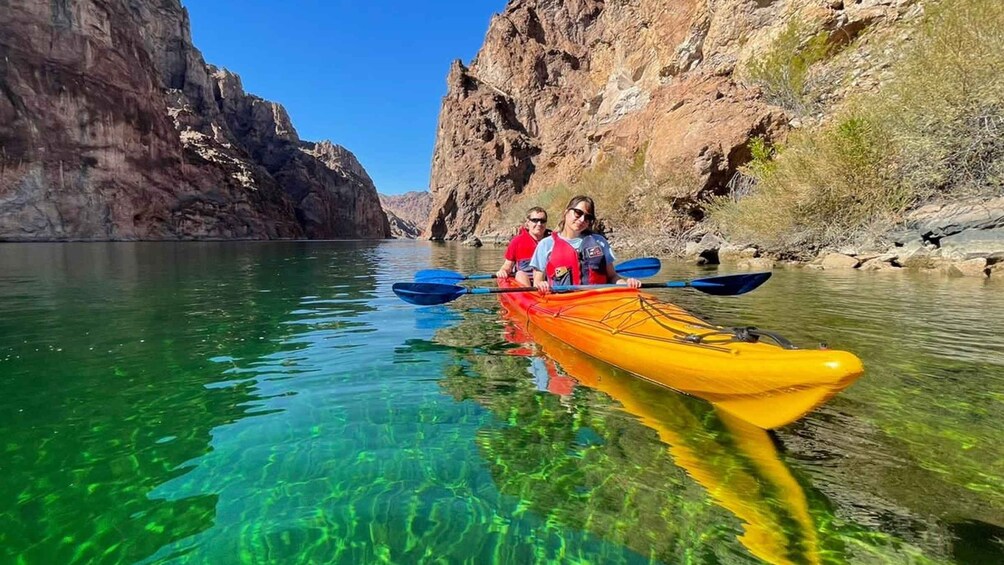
(579, 214)
(537, 220)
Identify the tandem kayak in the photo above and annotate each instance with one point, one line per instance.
(754, 375)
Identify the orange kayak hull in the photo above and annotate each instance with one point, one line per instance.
(760, 382)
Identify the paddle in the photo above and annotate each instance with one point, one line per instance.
(427, 294)
(635, 268)
(443, 276)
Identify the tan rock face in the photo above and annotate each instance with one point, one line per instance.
(559, 86)
(482, 155)
(407, 212)
(401, 228)
(113, 127)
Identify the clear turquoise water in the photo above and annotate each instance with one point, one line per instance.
(275, 403)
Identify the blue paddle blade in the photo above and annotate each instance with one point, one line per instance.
(639, 268)
(441, 276)
(444, 276)
(440, 281)
(428, 294)
(730, 285)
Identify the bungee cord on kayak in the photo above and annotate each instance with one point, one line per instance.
(748, 334)
(625, 315)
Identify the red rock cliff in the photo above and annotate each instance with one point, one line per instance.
(113, 127)
(559, 86)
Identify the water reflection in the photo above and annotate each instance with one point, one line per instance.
(120, 363)
(275, 402)
(572, 446)
(734, 461)
(915, 444)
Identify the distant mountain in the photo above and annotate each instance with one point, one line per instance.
(408, 213)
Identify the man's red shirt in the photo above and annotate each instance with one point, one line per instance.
(520, 250)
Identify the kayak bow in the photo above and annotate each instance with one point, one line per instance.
(769, 384)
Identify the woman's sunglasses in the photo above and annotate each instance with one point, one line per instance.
(579, 214)
(537, 220)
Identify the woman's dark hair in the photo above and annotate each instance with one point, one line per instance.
(575, 201)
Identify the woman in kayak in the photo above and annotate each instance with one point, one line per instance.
(574, 254)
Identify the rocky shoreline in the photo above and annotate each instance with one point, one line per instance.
(960, 239)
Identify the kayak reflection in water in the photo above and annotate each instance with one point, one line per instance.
(736, 462)
(575, 254)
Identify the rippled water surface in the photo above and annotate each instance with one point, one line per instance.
(276, 403)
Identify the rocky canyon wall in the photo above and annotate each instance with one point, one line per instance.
(559, 87)
(407, 212)
(113, 127)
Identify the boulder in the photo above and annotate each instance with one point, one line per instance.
(973, 243)
(951, 268)
(916, 256)
(935, 221)
(734, 253)
(756, 264)
(704, 252)
(973, 267)
(878, 264)
(834, 261)
(961, 230)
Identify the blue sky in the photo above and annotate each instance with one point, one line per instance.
(368, 75)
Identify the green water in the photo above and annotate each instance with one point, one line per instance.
(275, 403)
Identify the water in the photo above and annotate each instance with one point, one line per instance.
(274, 402)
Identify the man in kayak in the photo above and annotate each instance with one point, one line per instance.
(521, 248)
(574, 254)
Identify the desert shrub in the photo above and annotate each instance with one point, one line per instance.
(626, 196)
(934, 128)
(817, 191)
(782, 72)
(664, 207)
(944, 110)
(609, 184)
